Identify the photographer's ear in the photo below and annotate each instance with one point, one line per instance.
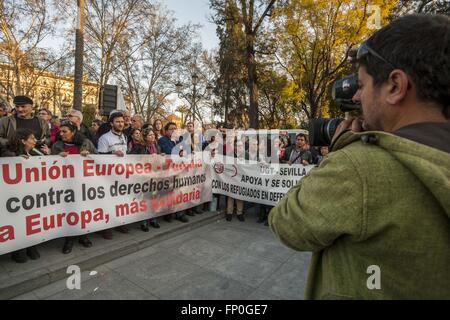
(398, 85)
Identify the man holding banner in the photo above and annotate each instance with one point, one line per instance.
(114, 142)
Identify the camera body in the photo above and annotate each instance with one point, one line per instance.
(321, 131)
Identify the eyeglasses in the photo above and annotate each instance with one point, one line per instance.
(364, 50)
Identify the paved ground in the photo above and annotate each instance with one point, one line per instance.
(221, 260)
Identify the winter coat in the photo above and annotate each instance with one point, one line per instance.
(374, 214)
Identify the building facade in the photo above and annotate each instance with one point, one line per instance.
(48, 90)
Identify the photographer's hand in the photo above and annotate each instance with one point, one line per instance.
(353, 124)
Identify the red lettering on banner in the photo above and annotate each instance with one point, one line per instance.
(87, 167)
(135, 207)
(173, 199)
(72, 219)
(36, 174)
(90, 169)
(98, 215)
(32, 221)
(6, 171)
(139, 168)
(36, 224)
(6, 233)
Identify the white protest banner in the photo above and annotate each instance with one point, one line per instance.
(44, 198)
(255, 182)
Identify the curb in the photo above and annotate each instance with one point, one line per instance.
(25, 283)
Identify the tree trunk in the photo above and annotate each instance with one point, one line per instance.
(227, 98)
(17, 75)
(79, 52)
(252, 83)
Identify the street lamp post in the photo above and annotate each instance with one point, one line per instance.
(195, 96)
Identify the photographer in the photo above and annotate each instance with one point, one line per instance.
(381, 197)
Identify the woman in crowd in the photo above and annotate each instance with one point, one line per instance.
(280, 147)
(95, 125)
(323, 153)
(135, 141)
(73, 142)
(158, 129)
(147, 146)
(24, 145)
(147, 126)
(47, 116)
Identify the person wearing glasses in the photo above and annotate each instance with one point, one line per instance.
(24, 118)
(76, 117)
(114, 142)
(376, 212)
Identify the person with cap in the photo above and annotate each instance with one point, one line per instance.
(24, 118)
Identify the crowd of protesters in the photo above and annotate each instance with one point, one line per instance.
(27, 132)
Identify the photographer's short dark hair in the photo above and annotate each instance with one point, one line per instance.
(418, 44)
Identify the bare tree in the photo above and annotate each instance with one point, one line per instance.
(20, 39)
(149, 73)
(107, 23)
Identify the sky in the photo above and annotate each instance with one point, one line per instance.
(185, 11)
(195, 11)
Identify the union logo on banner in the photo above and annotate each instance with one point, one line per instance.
(219, 168)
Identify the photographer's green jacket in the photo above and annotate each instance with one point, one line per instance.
(385, 204)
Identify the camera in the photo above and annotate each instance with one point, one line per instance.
(321, 131)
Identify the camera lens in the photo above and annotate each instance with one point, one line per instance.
(321, 131)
